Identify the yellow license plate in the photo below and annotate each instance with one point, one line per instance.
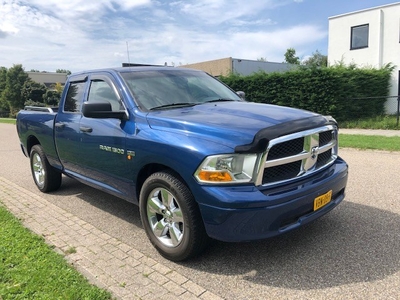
(322, 200)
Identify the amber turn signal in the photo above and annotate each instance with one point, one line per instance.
(215, 176)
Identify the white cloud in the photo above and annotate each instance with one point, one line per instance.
(260, 22)
(250, 45)
(220, 11)
(76, 35)
(88, 9)
(8, 28)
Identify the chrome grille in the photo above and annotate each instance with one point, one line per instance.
(286, 149)
(299, 154)
(325, 138)
(282, 172)
(323, 159)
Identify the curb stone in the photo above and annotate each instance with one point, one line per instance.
(103, 260)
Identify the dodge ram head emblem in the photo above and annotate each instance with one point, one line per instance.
(314, 152)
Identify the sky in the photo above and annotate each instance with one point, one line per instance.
(75, 35)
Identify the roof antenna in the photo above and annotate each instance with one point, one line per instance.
(127, 51)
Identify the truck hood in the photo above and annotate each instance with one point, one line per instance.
(231, 123)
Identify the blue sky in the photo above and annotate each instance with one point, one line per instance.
(56, 34)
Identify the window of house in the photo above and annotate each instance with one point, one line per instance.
(359, 37)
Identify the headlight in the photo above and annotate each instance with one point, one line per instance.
(228, 168)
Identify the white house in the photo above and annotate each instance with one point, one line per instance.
(370, 38)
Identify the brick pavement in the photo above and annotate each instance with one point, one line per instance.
(105, 261)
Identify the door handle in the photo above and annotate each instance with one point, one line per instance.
(86, 129)
(59, 125)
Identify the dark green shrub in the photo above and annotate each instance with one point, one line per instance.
(345, 93)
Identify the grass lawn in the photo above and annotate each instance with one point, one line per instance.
(7, 120)
(378, 122)
(30, 269)
(374, 142)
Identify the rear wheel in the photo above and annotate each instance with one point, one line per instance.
(171, 217)
(46, 178)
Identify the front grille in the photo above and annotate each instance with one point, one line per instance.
(282, 172)
(324, 158)
(299, 154)
(286, 149)
(325, 137)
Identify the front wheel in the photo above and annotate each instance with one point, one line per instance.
(46, 178)
(171, 217)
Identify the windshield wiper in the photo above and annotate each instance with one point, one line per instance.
(188, 104)
(184, 104)
(219, 100)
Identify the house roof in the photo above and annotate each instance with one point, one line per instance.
(364, 10)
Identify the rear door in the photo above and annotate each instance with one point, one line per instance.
(66, 128)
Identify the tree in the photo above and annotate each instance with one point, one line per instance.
(32, 93)
(291, 58)
(63, 71)
(18, 90)
(15, 79)
(316, 60)
(262, 59)
(3, 77)
(58, 87)
(52, 97)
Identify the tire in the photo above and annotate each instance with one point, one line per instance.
(46, 178)
(171, 217)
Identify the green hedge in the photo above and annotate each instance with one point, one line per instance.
(342, 92)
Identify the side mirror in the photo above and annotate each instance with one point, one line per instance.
(241, 94)
(101, 110)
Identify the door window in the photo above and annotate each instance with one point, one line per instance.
(74, 97)
(101, 91)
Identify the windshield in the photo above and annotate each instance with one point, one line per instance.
(164, 89)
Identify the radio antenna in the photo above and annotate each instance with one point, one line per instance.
(127, 51)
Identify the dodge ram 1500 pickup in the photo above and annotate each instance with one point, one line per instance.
(198, 160)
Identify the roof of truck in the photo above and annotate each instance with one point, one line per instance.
(133, 69)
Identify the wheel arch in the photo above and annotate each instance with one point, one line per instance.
(152, 168)
(31, 141)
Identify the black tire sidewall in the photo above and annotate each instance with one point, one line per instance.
(52, 178)
(182, 196)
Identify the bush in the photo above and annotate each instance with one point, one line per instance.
(343, 92)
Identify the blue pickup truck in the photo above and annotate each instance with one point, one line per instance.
(198, 160)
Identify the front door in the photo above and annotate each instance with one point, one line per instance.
(103, 151)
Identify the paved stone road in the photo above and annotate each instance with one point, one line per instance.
(106, 261)
(352, 253)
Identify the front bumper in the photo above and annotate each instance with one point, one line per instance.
(236, 214)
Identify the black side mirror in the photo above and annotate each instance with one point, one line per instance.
(101, 110)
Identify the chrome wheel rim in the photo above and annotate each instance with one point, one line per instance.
(165, 217)
(38, 170)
